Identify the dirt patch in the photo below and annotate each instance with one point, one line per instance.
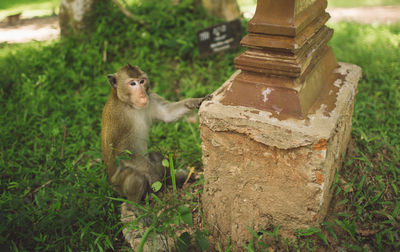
(375, 14)
(26, 30)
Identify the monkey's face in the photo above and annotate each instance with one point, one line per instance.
(131, 85)
(133, 92)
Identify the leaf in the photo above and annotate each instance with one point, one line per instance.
(183, 242)
(172, 172)
(276, 230)
(396, 209)
(144, 238)
(183, 209)
(201, 240)
(347, 187)
(156, 186)
(332, 232)
(273, 233)
(186, 215)
(345, 226)
(307, 232)
(359, 186)
(396, 190)
(253, 233)
(156, 198)
(128, 152)
(312, 231)
(323, 238)
(117, 161)
(165, 163)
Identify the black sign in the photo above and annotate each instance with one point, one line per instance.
(219, 38)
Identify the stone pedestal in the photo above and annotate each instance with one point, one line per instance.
(287, 62)
(133, 233)
(274, 134)
(261, 170)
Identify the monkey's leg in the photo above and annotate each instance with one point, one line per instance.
(157, 169)
(156, 158)
(134, 186)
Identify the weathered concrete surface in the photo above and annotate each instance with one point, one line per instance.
(134, 231)
(261, 171)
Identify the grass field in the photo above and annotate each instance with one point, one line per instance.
(53, 191)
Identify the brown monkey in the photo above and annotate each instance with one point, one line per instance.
(127, 118)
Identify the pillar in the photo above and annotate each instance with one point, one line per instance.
(275, 133)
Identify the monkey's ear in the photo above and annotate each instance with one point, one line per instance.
(112, 80)
(151, 84)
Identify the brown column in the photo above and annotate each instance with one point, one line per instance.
(287, 61)
(274, 134)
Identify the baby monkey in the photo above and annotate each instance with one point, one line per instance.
(127, 117)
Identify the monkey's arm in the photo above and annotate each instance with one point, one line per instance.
(171, 111)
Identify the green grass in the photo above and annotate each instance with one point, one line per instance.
(365, 210)
(369, 211)
(53, 191)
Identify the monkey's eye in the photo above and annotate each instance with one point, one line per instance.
(132, 83)
(141, 81)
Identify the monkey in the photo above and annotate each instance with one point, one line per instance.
(126, 120)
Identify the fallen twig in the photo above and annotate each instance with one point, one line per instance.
(105, 52)
(76, 161)
(63, 143)
(126, 12)
(40, 187)
(189, 175)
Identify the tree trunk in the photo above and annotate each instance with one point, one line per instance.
(226, 9)
(74, 16)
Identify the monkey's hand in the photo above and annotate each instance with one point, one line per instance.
(193, 103)
(206, 98)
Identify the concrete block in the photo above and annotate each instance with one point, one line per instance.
(261, 171)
